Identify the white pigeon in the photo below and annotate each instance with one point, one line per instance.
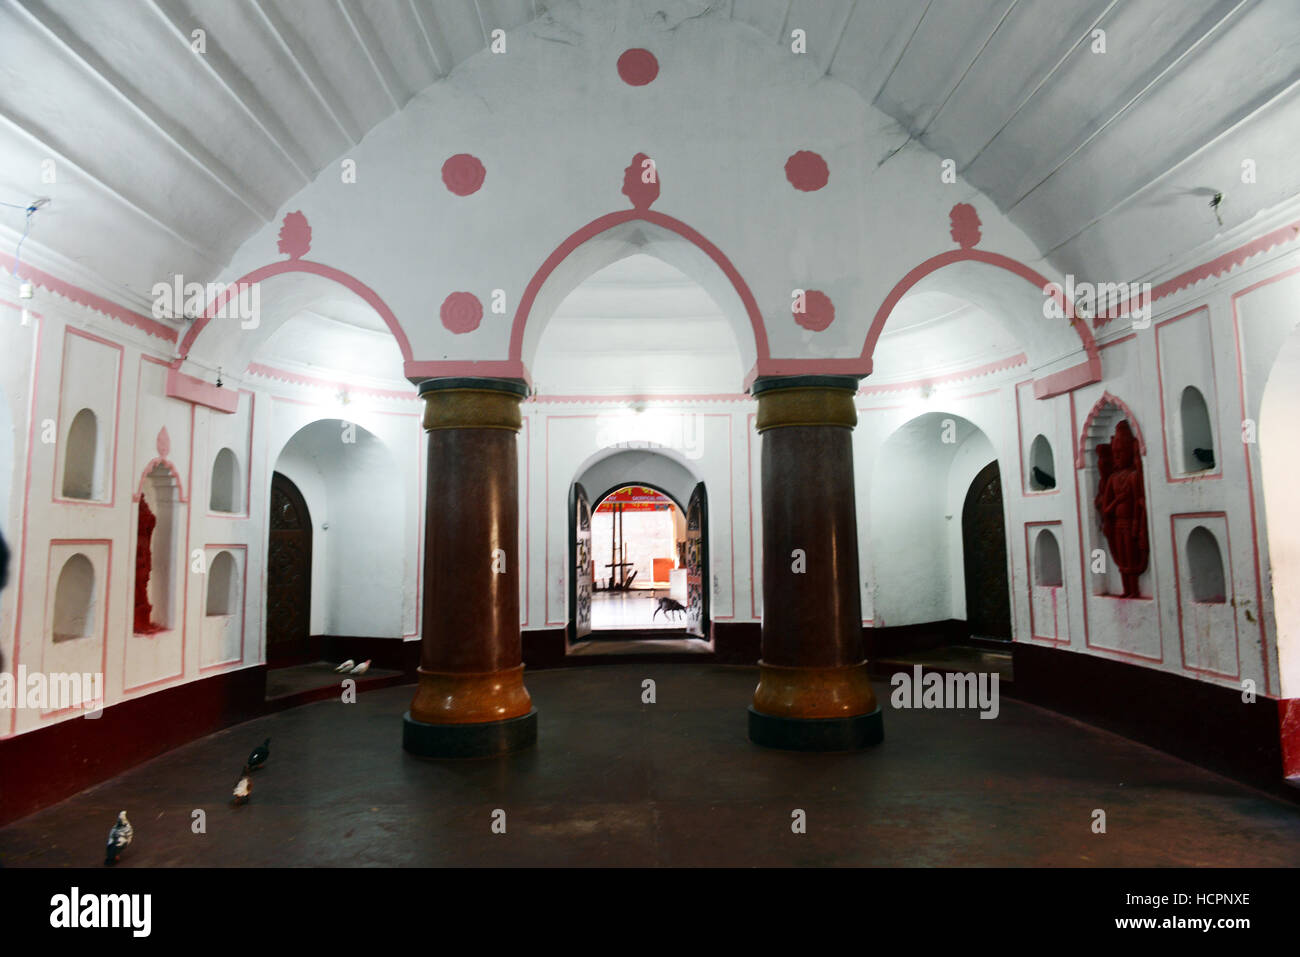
(346, 666)
(119, 836)
(244, 789)
(362, 668)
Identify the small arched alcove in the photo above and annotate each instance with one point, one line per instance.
(74, 599)
(81, 458)
(1194, 429)
(223, 586)
(224, 495)
(1042, 465)
(1047, 560)
(1205, 567)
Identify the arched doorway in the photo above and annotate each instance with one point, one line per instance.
(984, 557)
(639, 562)
(288, 574)
(935, 493)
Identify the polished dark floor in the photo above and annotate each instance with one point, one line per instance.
(613, 781)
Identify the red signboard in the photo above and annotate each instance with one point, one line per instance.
(636, 498)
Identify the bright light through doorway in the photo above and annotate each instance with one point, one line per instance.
(638, 545)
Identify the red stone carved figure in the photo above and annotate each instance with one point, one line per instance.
(1122, 507)
(145, 523)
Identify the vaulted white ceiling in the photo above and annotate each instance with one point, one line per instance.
(166, 161)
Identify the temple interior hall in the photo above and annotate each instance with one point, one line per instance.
(649, 419)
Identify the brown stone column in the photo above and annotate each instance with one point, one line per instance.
(813, 691)
(471, 699)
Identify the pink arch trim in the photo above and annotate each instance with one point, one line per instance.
(1081, 453)
(299, 265)
(153, 464)
(1084, 373)
(609, 221)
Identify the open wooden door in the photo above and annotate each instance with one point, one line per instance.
(984, 556)
(580, 554)
(697, 563)
(288, 575)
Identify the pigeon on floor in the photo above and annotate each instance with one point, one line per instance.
(120, 836)
(259, 755)
(1205, 457)
(362, 668)
(345, 667)
(1043, 479)
(244, 789)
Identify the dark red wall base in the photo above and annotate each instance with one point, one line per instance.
(1200, 722)
(42, 767)
(1203, 723)
(45, 766)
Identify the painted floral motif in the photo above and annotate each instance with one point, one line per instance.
(807, 171)
(637, 67)
(295, 236)
(463, 174)
(965, 225)
(818, 311)
(461, 312)
(641, 181)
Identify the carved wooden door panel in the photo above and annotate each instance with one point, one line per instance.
(288, 573)
(580, 579)
(984, 556)
(697, 563)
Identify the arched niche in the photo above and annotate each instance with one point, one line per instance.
(74, 600)
(1047, 560)
(82, 470)
(223, 596)
(1196, 437)
(1096, 460)
(158, 522)
(225, 495)
(1042, 464)
(1205, 567)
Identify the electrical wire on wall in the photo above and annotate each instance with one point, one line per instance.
(30, 209)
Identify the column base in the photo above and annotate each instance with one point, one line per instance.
(478, 740)
(816, 734)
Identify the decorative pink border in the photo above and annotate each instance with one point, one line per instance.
(243, 603)
(1250, 476)
(194, 390)
(731, 517)
(248, 470)
(1217, 471)
(88, 299)
(1214, 267)
(1029, 568)
(988, 368)
(51, 581)
(60, 450)
(1025, 491)
(298, 266)
(1081, 453)
(183, 627)
(298, 378)
(1066, 380)
(1178, 591)
(420, 504)
(32, 416)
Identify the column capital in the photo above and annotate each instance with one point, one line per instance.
(471, 402)
(785, 401)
